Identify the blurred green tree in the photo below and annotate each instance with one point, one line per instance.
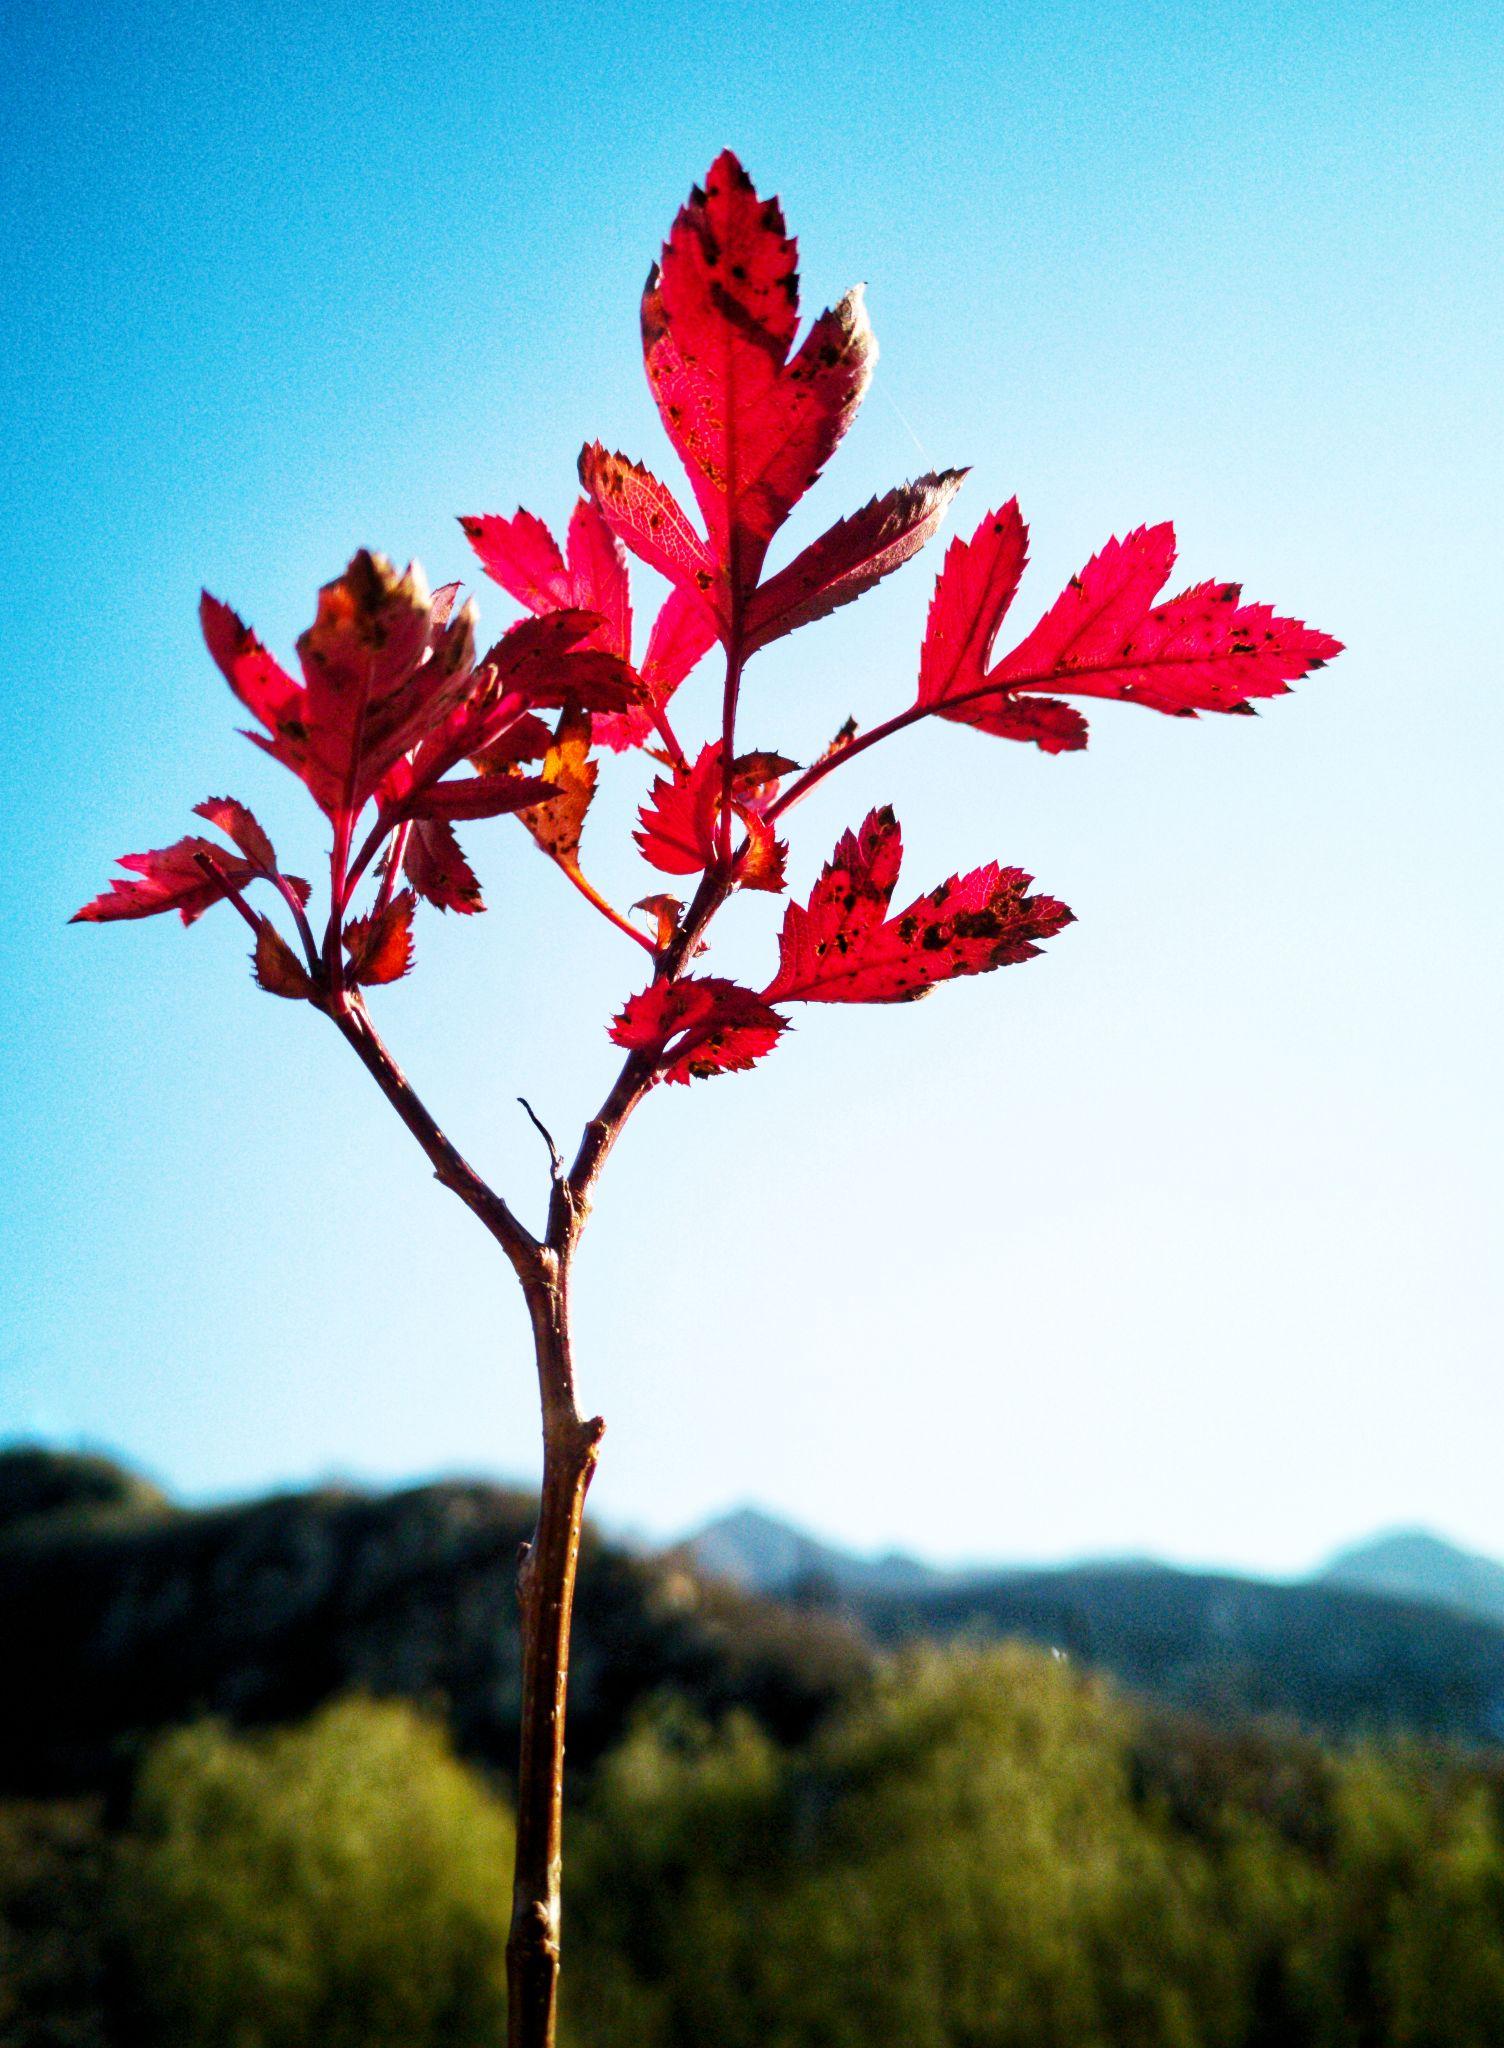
(332, 1884)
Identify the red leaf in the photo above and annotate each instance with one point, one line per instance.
(683, 631)
(1103, 637)
(645, 515)
(277, 967)
(523, 557)
(698, 1027)
(260, 682)
(677, 834)
(381, 946)
(478, 796)
(761, 864)
(850, 557)
(598, 571)
(1055, 728)
(525, 739)
(438, 870)
(974, 589)
(237, 824)
(844, 948)
(171, 878)
(381, 667)
(752, 427)
(550, 661)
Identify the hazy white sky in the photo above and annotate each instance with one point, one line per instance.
(1182, 1238)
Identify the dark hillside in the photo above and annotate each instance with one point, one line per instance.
(119, 1626)
(1329, 1656)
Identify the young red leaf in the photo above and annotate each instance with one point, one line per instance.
(844, 948)
(523, 557)
(437, 868)
(277, 967)
(381, 667)
(683, 631)
(850, 557)
(171, 878)
(1103, 637)
(381, 946)
(644, 514)
(752, 426)
(677, 833)
(698, 1027)
(479, 796)
(238, 825)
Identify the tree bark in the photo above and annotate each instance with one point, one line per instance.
(545, 1580)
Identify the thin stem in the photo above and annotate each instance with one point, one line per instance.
(545, 1584)
(216, 873)
(334, 964)
(572, 1196)
(729, 698)
(612, 915)
(797, 791)
(370, 846)
(450, 1168)
(300, 917)
(393, 868)
(669, 737)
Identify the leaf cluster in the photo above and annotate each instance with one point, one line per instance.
(400, 732)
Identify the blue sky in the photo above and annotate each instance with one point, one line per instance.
(1183, 1238)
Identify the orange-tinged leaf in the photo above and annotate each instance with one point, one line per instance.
(697, 1027)
(381, 946)
(761, 864)
(666, 912)
(557, 823)
(842, 947)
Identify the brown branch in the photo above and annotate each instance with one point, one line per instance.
(450, 1168)
(545, 1585)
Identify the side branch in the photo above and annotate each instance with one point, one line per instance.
(450, 1168)
(571, 1198)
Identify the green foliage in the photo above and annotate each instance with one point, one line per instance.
(343, 1884)
(985, 1850)
(54, 1948)
(959, 1863)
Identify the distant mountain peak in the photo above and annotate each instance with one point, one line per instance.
(1418, 1564)
(765, 1554)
